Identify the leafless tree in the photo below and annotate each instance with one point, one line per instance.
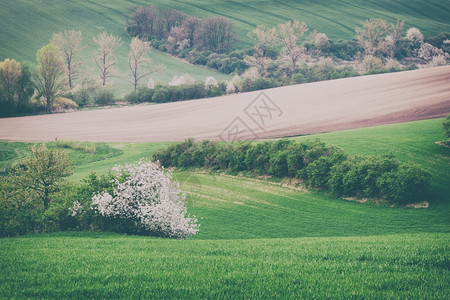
(216, 35)
(191, 26)
(290, 35)
(142, 22)
(70, 44)
(104, 57)
(173, 18)
(139, 61)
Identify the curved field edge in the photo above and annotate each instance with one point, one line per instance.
(102, 265)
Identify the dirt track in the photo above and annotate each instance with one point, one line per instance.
(301, 109)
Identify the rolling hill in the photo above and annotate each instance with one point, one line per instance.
(25, 26)
(258, 239)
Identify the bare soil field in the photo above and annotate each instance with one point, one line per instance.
(294, 110)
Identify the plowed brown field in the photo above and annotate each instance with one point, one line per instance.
(293, 110)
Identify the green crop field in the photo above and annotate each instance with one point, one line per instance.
(257, 238)
(102, 265)
(26, 26)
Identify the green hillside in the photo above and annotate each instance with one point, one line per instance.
(28, 25)
(242, 203)
(258, 238)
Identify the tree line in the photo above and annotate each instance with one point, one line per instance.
(50, 84)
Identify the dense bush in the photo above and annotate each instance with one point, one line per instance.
(319, 165)
(105, 96)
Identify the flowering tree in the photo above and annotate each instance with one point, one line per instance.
(146, 195)
(290, 35)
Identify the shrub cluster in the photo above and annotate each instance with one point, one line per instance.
(318, 165)
(171, 93)
(138, 198)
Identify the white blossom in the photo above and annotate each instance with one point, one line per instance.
(183, 79)
(151, 83)
(76, 208)
(210, 82)
(414, 36)
(428, 52)
(147, 196)
(230, 88)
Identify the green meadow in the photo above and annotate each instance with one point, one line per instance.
(259, 238)
(26, 26)
(102, 265)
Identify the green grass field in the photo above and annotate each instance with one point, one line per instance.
(102, 265)
(26, 26)
(258, 239)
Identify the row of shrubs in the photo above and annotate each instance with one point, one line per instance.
(317, 164)
(163, 93)
(171, 93)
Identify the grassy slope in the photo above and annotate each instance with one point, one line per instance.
(27, 26)
(408, 142)
(257, 239)
(253, 208)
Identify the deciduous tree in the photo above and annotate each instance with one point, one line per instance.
(216, 35)
(70, 44)
(146, 200)
(139, 61)
(10, 74)
(394, 36)
(264, 41)
(49, 74)
(290, 35)
(104, 57)
(372, 36)
(43, 172)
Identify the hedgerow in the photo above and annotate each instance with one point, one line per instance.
(317, 164)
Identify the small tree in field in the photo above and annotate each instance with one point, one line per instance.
(49, 74)
(69, 43)
(146, 197)
(104, 57)
(138, 60)
(43, 172)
